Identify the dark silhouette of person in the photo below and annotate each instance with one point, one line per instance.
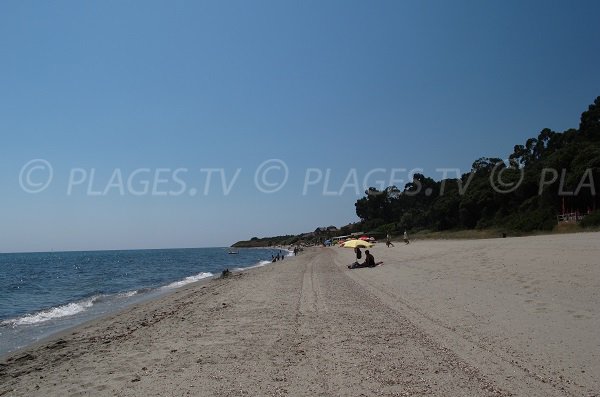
(369, 262)
(358, 253)
(388, 240)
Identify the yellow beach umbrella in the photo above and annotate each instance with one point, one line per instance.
(357, 243)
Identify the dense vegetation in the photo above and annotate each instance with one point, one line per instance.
(548, 175)
(254, 242)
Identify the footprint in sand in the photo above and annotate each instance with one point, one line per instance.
(541, 307)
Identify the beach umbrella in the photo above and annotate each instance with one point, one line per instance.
(366, 238)
(357, 243)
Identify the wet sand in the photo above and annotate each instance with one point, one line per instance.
(498, 317)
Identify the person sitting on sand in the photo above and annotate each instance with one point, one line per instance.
(358, 253)
(369, 262)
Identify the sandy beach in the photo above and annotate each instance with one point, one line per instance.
(498, 317)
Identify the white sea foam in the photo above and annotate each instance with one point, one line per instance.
(127, 294)
(259, 264)
(53, 313)
(188, 280)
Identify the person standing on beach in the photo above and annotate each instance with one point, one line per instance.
(388, 240)
(406, 237)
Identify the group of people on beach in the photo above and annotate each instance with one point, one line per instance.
(369, 260)
(388, 239)
(278, 257)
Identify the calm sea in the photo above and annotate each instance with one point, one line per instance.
(43, 293)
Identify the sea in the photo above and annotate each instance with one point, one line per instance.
(44, 293)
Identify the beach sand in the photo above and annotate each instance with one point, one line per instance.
(497, 317)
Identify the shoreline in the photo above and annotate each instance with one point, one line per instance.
(71, 330)
(493, 317)
(25, 329)
(128, 306)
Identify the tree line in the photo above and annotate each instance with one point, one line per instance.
(551, 174)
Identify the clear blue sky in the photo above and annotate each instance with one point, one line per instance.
(111, 85)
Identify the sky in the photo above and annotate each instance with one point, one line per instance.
(155, 124)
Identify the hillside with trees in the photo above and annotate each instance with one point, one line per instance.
(551, 174)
